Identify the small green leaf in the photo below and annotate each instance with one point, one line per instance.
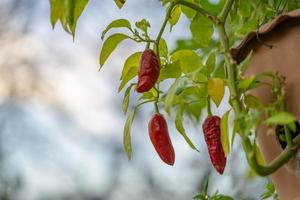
(109, 46)
(73, 10)
(282, 118)
(126, 98)
(153, 93)
(224, 133)
(143, 25)
(202, 30)
(171, 70)
(163, 48)
(219, 71)
(118, 23)
(170, 95)
(175, 15)
(180, 128)
(127, 134)
(131, 62)
(211, 62)
(120, 3)
(57, 9)
(189, 13)
(189, 60)
(244, 84)
(216, 90)
(129, 75)
(253, 102)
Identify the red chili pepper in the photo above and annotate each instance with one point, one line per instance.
(159, 135)
(148, 71)
(211, 130)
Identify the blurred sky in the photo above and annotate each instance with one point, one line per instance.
(62, 122)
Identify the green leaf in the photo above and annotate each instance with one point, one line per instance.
(153, 93)
(211, 62)
(129, 75)
(189, 60)
(73, 11)
(68, 12)
(202, 30)
(132, 61)
(126, 98)
(143, 25)
(189, 13)
(281, 118)
(244, 84)
(163, 48)
(170, 95)
(118, 23)
(171, 70)
(109, 46)
(224, 133)
(253, 102)
(216, 90)
(57, 9)
(127, 134)
(180, 128)
(175, 15)
(219, 71)
(120, 3)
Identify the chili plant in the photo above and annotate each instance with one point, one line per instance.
(200, 71)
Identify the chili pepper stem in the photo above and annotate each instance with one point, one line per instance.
(209, 107)
(156, 107)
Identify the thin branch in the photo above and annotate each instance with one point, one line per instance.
(226, 9)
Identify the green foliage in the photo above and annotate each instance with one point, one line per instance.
(199, 68)
(224, 133)
(126, 98)
(180, 128)
(205, 196)
(282, 118)
(216, 90)
(109, 46)
(127, 133)
(175, 15)
(120, 3)
(130, 69)
(188, 59)
(269, 192)
(119, 23)
(68, 12)
(202, 30)
(170, 70)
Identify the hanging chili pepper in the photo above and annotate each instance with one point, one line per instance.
(211, 130)
(148, 71)
(159, 136)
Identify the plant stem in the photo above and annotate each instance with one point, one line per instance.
(197, 8)
(278, 162)
(231, 67)
(288, 136)
(168, 14)
(208, 107)
(226, 9)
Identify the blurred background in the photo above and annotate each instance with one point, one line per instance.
(61, 120)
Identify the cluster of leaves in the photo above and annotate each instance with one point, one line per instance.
(205, 196)
(196, 68)
(269, 193)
